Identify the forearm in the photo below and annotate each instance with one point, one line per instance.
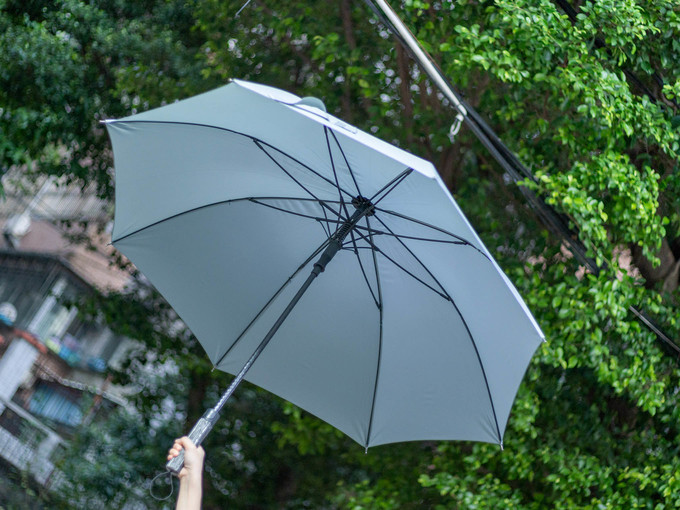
(190, 491)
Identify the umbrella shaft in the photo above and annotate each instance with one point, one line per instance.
(208, 420)
(334, 245)
(239, 377)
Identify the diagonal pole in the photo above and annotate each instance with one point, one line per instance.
(205, 424)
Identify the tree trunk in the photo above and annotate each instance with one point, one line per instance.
(667, 273)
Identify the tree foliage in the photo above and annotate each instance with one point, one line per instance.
(590, 106)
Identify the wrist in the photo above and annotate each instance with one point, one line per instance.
(191, 476)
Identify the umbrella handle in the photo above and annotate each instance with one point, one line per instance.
(203, 426)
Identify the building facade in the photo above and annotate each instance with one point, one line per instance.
(53, 364)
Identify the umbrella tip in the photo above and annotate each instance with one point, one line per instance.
(314, 102)
(501, 444)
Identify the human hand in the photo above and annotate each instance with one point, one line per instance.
(193, 457)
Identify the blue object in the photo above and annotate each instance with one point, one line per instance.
(96, 364)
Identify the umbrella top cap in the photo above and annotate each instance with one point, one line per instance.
(312, 101)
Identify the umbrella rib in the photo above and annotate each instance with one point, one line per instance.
(309, 216)
(415, 238)
(414, 256)
(433, 227)
(326, 222)
(205, 206)
(293, 178)
(335, 173)
(375, 248)
(276, 294)
(363, 272)
(323, 221)
(393, 183)
(349, 168)
(262, 142)
(467, 328)
(380, 342)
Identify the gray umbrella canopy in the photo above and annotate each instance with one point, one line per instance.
(225, 201)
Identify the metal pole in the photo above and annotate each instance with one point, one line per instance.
(425, 61)
(205, 424)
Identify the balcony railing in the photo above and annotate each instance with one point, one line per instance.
(29, 445)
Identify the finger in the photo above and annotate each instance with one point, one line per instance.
(186, 443)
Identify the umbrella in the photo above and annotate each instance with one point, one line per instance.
(256, 214)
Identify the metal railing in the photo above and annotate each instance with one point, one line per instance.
(29, 445)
